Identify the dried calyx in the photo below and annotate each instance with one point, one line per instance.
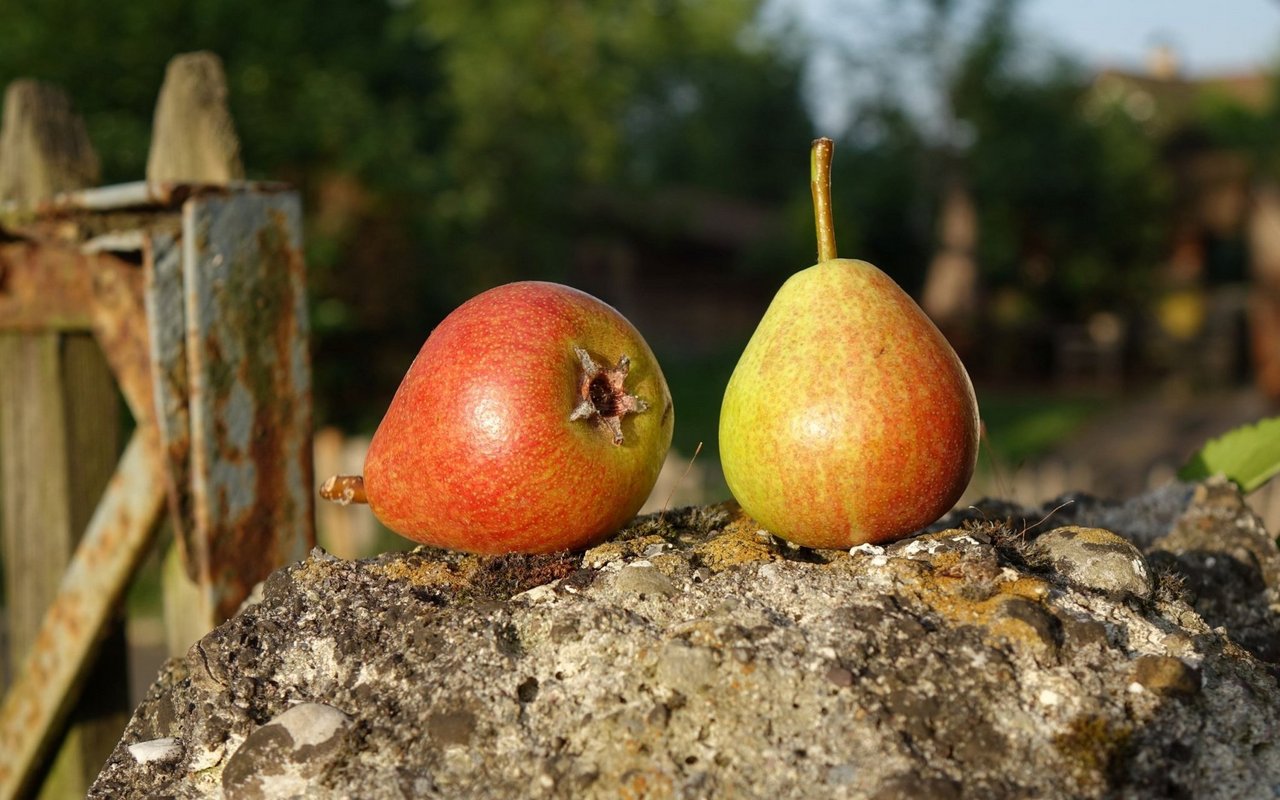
(602, 397)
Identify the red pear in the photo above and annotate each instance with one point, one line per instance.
(534, 419)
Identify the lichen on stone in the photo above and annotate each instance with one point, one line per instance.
(697, 655)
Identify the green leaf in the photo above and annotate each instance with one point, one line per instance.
(1249, 456)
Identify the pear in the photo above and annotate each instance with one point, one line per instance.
(849, 419)
(535, 418)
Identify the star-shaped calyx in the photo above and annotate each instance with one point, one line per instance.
(602, 396)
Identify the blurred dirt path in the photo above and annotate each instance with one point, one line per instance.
(1145, 440)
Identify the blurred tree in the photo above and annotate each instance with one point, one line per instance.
(1072, 201)
(441, 147)
(341, 99)
(550, 99)
(1072, 206)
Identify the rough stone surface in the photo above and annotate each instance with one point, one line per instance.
(283, 757)
(1094, 558)
(696, 656)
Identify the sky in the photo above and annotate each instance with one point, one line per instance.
(1209, 36)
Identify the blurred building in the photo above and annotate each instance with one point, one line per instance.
(1218, 306)
(673, 263)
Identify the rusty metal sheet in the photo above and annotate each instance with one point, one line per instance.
(136, 194)
(127, 196)
(43, 288)
(166, 322)
(104, 563)
(49, 287)
(120, 325)
(250, 389)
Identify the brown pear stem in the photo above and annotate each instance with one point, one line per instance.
(820, 185)
(344, 490)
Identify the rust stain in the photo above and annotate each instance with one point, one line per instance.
(258, 505)
(45, 287)
(162, 269)
(120, 326)
(52, 287)
(244, 529)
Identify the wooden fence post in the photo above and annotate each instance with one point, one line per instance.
(60, 436)
(196, 295)
(193, 138)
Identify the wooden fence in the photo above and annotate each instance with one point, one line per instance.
(182, 296)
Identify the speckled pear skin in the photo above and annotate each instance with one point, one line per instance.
(478, 451)
(849, 418)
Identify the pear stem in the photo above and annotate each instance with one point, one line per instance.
(344, 490)
(820, 185)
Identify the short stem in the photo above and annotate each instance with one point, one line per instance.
(820, 184)
(344, 490)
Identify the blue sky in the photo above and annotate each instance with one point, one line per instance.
(1210, 36)
(852, 41)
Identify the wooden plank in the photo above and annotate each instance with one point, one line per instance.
(59, 448)
(92, 587)
(61, 422)
(188, 613)
(250, 380)
(44, 147)
(120, 326)
(36, 528)
(193, 138)
(94, 439)
(166, 325)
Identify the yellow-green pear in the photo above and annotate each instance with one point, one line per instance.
(849, 418)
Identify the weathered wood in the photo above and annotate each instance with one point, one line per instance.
(55, 287)
(166, 315)
(60, 422)
(951, 281)
(43, 290)
(57, 450)
(94, 440)
(44, 147)
(92, 587)
(36, 527)
(188, 610)
(193, 138)
(1264, 289)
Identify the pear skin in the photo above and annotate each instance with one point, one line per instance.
(534, 419)
(849, 418)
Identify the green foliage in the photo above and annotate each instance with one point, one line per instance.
(1073, 202)
(551, 100)
(1249, 456)
(1072, 206)
(440, 147)
(443, 147)
(1020, 426)
(882, 194)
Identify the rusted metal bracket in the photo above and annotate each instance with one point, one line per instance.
(196, 295)
(207, 336)
(250, 371)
